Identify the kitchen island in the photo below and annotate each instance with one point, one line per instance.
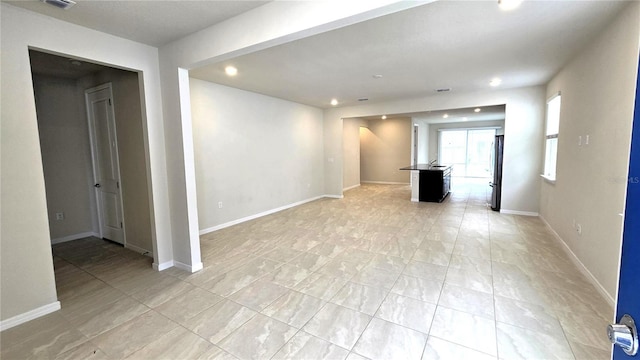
(433, 183)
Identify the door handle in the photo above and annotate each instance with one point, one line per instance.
(625, 335)
(96, 185)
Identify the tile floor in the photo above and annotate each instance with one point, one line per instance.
(371, 276)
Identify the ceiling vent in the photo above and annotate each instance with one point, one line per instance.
(441, 90)
(363, 99)
(62, 4)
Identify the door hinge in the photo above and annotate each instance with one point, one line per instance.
(120, 224)
(109, 101)
(118, 184)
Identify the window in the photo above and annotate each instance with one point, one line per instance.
(551, 139)
(468, 150)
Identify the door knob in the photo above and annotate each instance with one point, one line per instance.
(625, 335)
(96, 185)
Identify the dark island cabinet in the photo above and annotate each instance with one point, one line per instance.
(435, 184)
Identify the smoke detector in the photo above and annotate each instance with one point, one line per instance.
(62, 4)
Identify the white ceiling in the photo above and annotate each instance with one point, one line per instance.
(486, 113)
(152, 22)
(446, 44)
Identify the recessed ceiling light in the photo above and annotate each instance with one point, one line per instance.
(445, 116)
(507, 5)
(231, 71)
(384, 117)
(477, 110)
(377, 76)
(334, 102)
(495, 82)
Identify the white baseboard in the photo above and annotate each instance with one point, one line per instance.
(583, 269)
(182, 266)
(138, 249)
(351, 187)
(29, 315)
(251, 217)
(74, 237)
(415, 200)
(334, 196)
(162, 266)
(190, 268)
(385, 183)
(518, 212)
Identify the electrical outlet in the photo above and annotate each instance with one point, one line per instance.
(219, 204)
(59, 216)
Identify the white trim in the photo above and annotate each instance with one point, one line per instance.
(334, 196)
(583, 269)
(190, 268)
(29, 315)
(385, 182)
(351, 187)
(548, 179)
(138, 250)
(255, 216)
(74, 237)
(162, 266)
(415, 200)
(518, 212)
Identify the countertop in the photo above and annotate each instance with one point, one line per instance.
(427, 167)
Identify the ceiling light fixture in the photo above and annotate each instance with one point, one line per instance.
(231, 71)
(61, 4)
(507, 5)
(334, 102)
(445, 116)
(477, 110)
(384, 117)
(495, 82)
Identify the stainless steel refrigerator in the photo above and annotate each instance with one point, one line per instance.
(496, 184)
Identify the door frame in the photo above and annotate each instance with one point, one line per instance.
(92, 142)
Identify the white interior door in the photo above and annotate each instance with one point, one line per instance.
(106, 169)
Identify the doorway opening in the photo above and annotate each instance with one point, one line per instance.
(73, 193)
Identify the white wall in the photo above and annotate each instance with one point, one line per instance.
(434, 140)
(66, 155)
(385, 147)
(523, 131)
(351, 145)
(253, 153)
(27, 284)
(598, 91)
(272, 24)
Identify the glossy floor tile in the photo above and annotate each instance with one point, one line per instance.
(370, 276)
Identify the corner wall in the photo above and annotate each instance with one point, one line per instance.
(598, 91)
(253, 153)
(385, 148)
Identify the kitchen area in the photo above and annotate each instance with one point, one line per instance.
(447, 149)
